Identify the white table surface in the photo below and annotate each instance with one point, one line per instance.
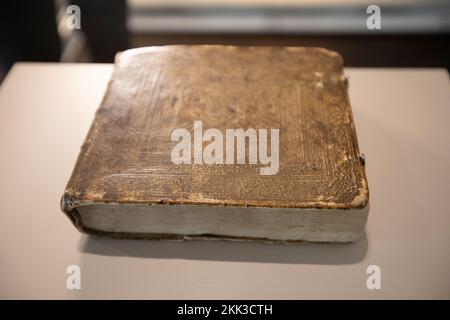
(403, 124)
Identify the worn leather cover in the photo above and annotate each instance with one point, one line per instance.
(302, 91)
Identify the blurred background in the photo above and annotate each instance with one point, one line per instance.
(414, 33)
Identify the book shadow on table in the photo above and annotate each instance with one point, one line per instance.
(219, 250)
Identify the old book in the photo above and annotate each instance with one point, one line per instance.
(222, 142)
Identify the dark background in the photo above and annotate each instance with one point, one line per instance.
(413, 34)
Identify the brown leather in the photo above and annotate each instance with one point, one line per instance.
(302, 91)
